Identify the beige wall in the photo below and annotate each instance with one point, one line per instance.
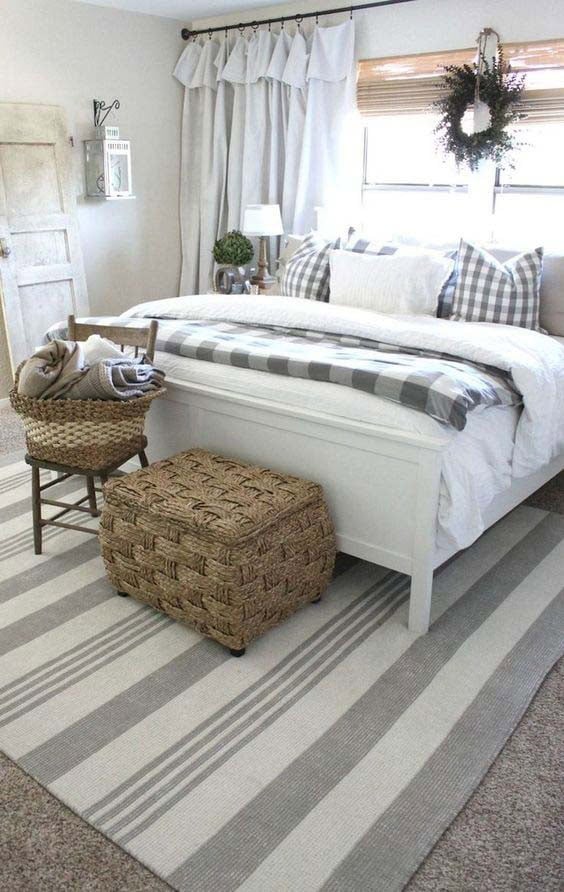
(65, 53)
(427, 25)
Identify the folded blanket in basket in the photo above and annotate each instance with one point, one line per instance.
(57, 371)
(116, 379)
(52, 370)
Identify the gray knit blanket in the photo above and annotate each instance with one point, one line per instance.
(57, 371)
(116, 379)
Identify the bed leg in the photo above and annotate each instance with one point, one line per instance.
(425, 527)
(420, 601)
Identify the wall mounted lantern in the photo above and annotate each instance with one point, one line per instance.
(107, 158)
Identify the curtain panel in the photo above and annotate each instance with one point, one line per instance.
(265, 121)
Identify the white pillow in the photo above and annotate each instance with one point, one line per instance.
(389, 283)
(96, 348)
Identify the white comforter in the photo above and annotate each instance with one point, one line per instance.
(535, 361)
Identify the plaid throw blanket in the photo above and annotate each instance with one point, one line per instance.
(439, 384)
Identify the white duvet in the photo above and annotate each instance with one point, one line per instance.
(536, 362)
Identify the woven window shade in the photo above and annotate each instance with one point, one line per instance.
(408, 85)
(542, 106)
(404, 85)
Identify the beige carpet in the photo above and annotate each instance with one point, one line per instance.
(505, 838)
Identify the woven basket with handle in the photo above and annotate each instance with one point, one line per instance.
(89, 434)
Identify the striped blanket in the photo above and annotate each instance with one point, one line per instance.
(439, 384)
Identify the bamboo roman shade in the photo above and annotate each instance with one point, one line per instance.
(407, 85)
(404, 85)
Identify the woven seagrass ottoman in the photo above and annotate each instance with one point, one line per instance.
(226, 547)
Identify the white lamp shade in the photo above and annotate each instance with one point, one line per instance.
(262, 219)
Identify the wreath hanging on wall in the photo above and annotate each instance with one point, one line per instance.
(499, 88)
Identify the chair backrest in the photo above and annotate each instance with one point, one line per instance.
(144, 337)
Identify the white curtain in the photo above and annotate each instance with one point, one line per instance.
(267, 120)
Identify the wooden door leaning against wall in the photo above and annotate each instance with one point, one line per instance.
(41, 269)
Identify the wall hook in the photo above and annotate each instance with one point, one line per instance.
(99, 107)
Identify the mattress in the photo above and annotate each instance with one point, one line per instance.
(477, 460)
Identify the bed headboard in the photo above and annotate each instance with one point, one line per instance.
(552, 290)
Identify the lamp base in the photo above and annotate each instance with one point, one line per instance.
(262, 278)
(263, 282)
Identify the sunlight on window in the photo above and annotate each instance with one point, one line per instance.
(403, 149)
(539, 160)
(412, 193)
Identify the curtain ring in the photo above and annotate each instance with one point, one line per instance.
(210, 34)
(317, 18)
(282, 24)
(269, 27)
(254, 26)
(299, 20)
(351, 13)
(226, 33)
(241, 28)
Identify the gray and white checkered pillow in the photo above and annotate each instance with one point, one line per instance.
(307, 271)
(446, 297)
(360, 245)
(489, 291)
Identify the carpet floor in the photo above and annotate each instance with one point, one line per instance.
(505, 838)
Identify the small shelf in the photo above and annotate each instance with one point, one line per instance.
(110, 197)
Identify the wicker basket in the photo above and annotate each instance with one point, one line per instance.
(88, 434)
(229, 548)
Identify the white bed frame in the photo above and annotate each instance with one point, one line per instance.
(382, 485)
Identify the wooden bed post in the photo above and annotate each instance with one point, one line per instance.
(424, 538)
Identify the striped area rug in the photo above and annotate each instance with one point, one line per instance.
(332, 756)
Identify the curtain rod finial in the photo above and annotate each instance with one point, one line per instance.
(185, 34)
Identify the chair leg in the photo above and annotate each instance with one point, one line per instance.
(36, 509)
(91, 489)
(144, 461)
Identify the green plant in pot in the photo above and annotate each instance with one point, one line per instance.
(232, 253)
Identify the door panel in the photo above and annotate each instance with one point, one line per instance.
(40, 248)
(53, 299)
(41, 274)
(30, 177)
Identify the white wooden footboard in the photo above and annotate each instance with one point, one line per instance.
(382, 485)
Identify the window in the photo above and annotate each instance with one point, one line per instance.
(411, 191)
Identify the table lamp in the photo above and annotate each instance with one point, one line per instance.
(264, 221)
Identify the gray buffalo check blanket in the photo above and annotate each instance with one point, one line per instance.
(438, 384)
(443, 368)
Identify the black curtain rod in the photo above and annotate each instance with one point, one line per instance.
(242, 26)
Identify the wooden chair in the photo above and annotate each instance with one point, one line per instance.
(142, 338)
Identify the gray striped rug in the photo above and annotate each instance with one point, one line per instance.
(332, 756)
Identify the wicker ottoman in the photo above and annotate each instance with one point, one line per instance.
(228, 548)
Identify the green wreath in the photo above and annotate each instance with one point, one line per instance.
(497, 86)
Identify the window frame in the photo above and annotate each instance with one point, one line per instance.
(499, 188)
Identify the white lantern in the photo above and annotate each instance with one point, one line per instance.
(108, 165)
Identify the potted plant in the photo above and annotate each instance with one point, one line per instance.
(232, 253)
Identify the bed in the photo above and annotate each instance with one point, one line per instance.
(405, 491)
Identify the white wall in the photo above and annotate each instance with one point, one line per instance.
(426, 25)
(65, 53)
